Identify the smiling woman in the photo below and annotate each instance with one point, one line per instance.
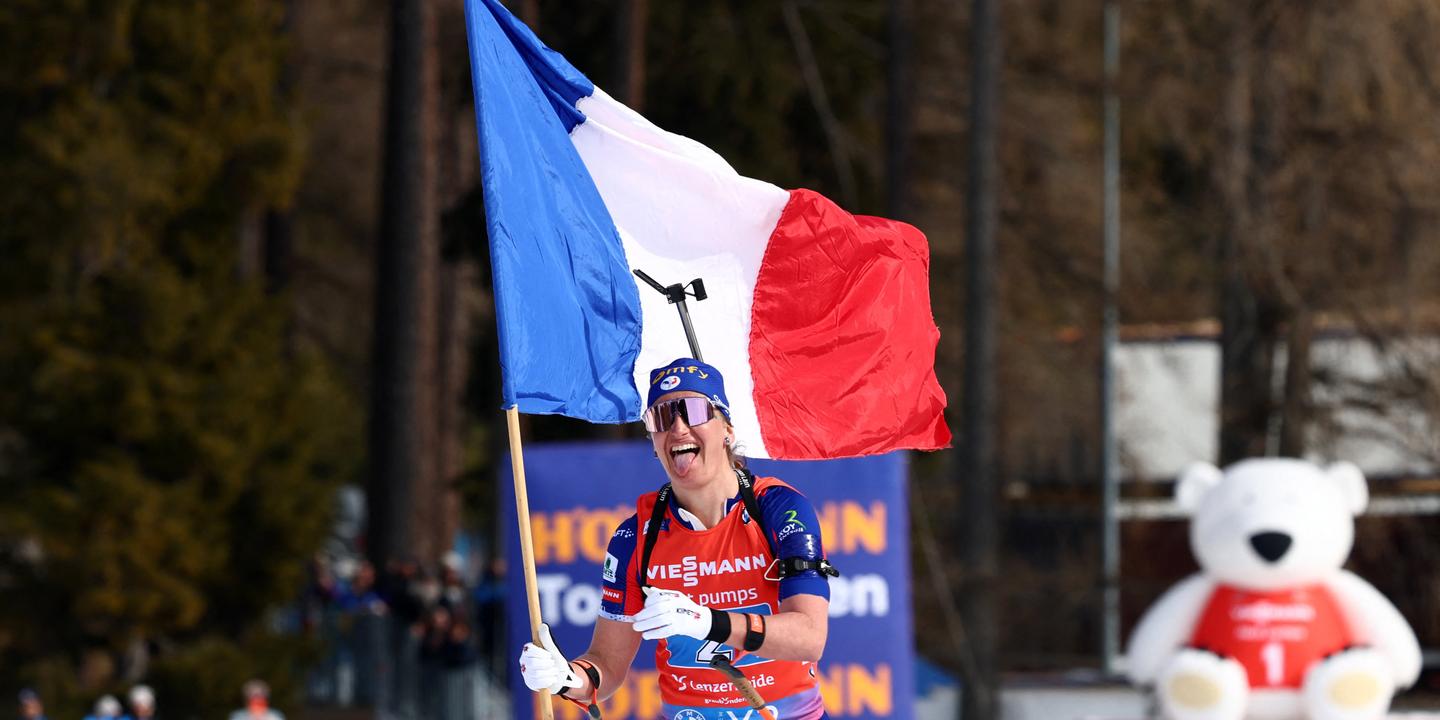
(726, 570)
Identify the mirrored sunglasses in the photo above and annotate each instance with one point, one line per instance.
(693, 410)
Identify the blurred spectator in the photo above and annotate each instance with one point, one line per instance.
(425, 588)
(319, 616)
(361, 595)
(459, 652)
(360, 676)
(490, 616)
(397, 587)
(318, 594)
(343, 568)
(435, 636)
(407, 643)
(434, 642)
(257, 703)
(106, 708)
(452, 584)
(142, 702)
(30, 706)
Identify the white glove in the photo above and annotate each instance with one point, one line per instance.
(668, 612)
(544, 668)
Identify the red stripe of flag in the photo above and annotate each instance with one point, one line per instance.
(855, 291)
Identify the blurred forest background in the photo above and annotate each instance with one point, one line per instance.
(230, 286)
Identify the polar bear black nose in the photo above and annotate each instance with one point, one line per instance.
(1270, 545)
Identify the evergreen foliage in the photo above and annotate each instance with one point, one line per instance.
(168, 452)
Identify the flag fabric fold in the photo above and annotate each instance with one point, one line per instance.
(819, 319)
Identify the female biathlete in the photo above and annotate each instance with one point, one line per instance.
(725, 595)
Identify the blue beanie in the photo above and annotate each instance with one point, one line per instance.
(689, 374)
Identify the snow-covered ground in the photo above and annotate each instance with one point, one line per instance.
(1099, 702)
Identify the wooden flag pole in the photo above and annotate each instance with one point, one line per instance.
(527, 543)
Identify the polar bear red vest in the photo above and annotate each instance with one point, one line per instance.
(1272, 626)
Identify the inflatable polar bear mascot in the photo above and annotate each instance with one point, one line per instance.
(1271, 626)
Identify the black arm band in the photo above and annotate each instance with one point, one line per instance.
(792, 566)
(719, 626)
(754, 631)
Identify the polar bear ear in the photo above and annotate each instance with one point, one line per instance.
(1351, 483)
(1194, 483)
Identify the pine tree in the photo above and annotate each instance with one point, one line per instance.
(168, 456)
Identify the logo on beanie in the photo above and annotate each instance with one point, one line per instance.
(688, 374)
(679, 370)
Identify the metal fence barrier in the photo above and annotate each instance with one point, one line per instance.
(372, 661)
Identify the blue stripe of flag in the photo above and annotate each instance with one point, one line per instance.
(567, 307)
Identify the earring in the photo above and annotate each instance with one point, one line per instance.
(727, 442)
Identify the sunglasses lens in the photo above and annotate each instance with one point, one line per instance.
(659, 417)
(697, 411)
(694, 411)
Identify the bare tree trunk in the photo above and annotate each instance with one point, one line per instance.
(1295, 408)
(897, 109)
(981, 492)
(1289, 414)
(457, 171)
(407, 225)
(279, 249)
(1245, 321)
(1403, 290)
(820, 99)
(936, 190)
(630, 34)
(250, 250)
(456, 283)
(429, 534)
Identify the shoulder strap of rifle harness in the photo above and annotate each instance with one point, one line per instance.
(785, 567)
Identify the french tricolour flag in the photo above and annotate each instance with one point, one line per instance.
(820, 320)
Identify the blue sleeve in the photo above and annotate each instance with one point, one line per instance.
(619, 586)
(793, 524)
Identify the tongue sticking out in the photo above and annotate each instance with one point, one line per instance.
(683, 461)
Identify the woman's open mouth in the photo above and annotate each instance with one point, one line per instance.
(683, 456)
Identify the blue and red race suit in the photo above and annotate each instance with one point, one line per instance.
(726, 567)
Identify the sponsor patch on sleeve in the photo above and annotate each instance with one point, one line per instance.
(610, 594)
(609, 572)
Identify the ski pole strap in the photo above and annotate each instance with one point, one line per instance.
(593, 707)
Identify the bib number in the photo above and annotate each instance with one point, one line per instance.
(711, 649)
(688, 652)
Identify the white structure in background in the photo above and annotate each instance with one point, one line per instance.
(1169, 398)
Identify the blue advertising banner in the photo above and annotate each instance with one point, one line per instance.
(580, 492)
